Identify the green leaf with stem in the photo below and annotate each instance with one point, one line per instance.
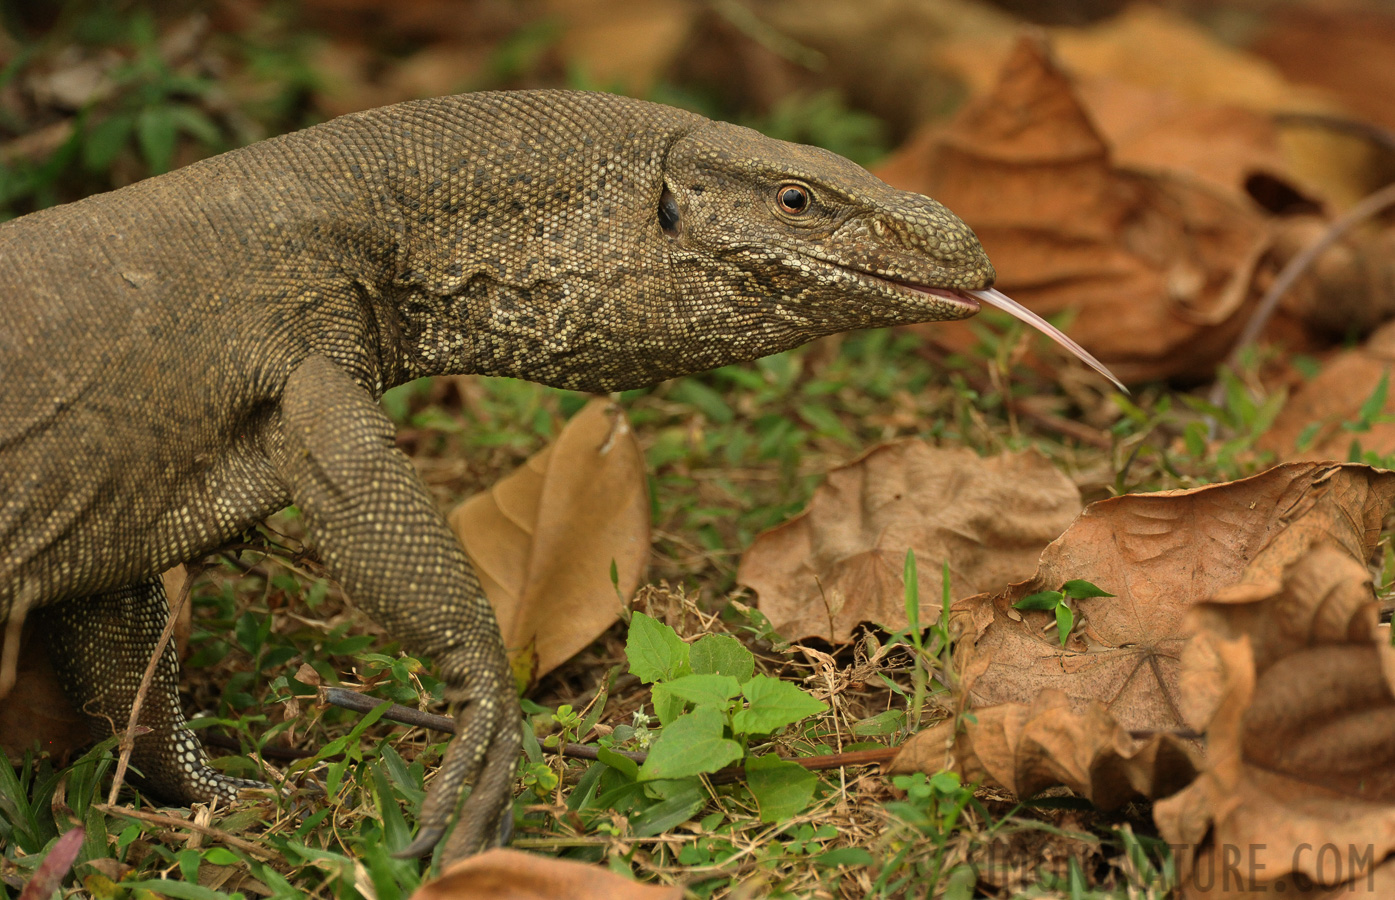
(1065, 621)
(773, 705)
(655, 650)
(693, 745)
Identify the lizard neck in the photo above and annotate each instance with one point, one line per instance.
(520, 242)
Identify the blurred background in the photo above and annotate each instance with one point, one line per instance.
(96, 94)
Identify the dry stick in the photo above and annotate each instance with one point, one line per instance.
(175, 823)
(9, 644)
(128, 737)
(405, 715)
(1368, 207)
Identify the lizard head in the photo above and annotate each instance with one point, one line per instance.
(824, 243)
(815, 244)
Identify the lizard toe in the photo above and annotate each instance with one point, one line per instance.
(485, 751)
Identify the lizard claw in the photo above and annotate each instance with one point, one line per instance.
(485, 749)
(426, 841)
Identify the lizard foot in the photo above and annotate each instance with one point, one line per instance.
(99, 646)
(485, 750)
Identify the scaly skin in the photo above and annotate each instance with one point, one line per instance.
(190, 354)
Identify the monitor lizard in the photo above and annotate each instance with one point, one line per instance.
(190, 354)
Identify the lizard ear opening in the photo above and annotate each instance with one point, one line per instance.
(668, 213)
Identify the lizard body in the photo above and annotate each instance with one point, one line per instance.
(187, 355)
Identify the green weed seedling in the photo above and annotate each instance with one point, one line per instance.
(1370, 414)
(1059, 602)
(929, 648)
(1242, 416)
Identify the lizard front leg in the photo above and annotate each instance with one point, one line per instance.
(99, 646)
(381, 538)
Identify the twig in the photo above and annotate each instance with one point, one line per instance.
(1368, 207)
(128, 737)
(404, 715)
(14, 630)
(176, 823)
(815, 763)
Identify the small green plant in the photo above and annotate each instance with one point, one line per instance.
(713, 705)
(1240, 415)
(933, 808)
(1059, 602)
(713, 708)
(1370, 414)
(929, 648)
(149, 109)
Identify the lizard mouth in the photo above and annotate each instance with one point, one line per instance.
(997, 299)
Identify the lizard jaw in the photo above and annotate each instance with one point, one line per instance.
(999, 300)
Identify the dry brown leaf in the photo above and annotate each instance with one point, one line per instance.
(1160, 131)
(840, 562)
(1153, 77)
(1294, 682)
(36, 711)
(874, 49)
(543, 539)
(1157, 265)
(1168, 53)
(1341, 48)
(1027, 748)
(1333, 400)
(1160, 554)
(503, 874)
(1154, 47)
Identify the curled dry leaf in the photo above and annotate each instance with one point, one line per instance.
(543, 539)
(1027, 748)
(1157, 264)
(841, 561)
(503, 874)
(1294, 682)
(1159, 554)
(1344, 49)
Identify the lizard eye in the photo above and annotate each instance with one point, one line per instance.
(792, 198)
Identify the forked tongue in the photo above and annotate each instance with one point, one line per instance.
(995, 297)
